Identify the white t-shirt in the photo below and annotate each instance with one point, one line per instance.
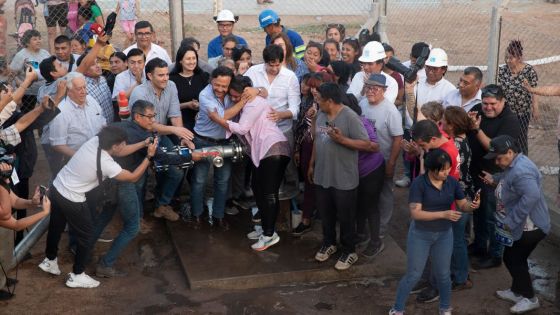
(79, 175)
(426, 92)
(156, 51)
(388, 123)
(357, 86)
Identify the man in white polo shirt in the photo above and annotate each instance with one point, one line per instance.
(372, 61)
(282, 87)
(143, 32)
(468, 93)
(68, 197)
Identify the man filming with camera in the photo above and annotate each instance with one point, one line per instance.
(130, 194)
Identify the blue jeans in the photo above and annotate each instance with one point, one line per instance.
(167, 181)
(130, 207)
(221, 183)
(485, 222)
(419, 245)
(460, 258)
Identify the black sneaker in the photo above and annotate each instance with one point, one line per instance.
(301, 229)
(419, 287)
(361, 239)
(373, 250)
(428, 295)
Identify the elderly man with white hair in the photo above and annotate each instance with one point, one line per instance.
(80, 118)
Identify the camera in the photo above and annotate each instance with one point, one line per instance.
(6, 157)
(409, 74)
(110, 23)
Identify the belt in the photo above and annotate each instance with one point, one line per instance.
(212, 140)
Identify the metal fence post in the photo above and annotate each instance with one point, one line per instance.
(176, 24)
(493, 46)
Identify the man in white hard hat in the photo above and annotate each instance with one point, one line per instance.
(225, 21)
(434, 88)
(372, 62)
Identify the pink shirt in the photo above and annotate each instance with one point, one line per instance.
(259, 131)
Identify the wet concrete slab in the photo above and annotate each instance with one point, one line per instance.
(212, 258)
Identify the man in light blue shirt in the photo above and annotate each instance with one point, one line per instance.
(214, 98)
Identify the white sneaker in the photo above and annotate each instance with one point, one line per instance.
(81, 281)
(525, 305)
(403, 182)
(265, 242)
(256, 233)
(50, 266)
(346, 261)
(393, 312)
(508, 295)
(325, 253)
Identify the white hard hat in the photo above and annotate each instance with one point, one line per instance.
(372, 52)
(225, 16)
(437, 58)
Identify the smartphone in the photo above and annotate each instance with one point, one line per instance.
(477, 194)
(33, 64)
(42, 191)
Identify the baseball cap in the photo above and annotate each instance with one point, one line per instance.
(268, 17)
(500, 145)
(376, 79)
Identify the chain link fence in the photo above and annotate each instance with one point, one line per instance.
(535, 25)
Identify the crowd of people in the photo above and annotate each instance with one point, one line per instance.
(328, 119)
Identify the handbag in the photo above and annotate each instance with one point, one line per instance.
(108, 191)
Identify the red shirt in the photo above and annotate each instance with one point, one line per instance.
(451, 149)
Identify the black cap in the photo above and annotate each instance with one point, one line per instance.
(500, 145)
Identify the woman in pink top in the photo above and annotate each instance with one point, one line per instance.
(269, 151)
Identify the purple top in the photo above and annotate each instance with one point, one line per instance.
(369, 161)
(260, 132)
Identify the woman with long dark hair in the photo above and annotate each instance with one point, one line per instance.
(190, 81)
(270, 154)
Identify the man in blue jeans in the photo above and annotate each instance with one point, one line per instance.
(130, 194)
(214, 98)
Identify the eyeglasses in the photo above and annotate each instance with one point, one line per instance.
(148, 116)
(372, 88)
(144, 34)
(432, 69)
(225, 25)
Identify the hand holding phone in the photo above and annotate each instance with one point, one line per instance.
(42, 192)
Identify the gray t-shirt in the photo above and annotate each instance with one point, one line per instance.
(167, 104)
(388, 123)
(336, 165)
(17, 65)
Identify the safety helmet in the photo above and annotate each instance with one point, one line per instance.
(372, 52)
(226, 16)
(437, 58)
(268, 17)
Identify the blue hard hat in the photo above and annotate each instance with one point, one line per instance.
(268, 17)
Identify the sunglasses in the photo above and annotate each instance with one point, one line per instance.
(492, 91)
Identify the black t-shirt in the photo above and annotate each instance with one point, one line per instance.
(504, 124)
(189, 89)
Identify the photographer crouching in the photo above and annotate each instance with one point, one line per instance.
(131, 194)
(68, 194)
